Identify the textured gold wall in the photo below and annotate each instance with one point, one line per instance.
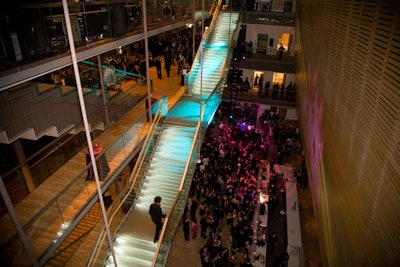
(348, 67)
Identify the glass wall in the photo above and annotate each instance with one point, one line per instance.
(30, 32)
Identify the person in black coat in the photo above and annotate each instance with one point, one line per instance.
(156, 216)
(167, 60)
(186, 227)
(158, 67)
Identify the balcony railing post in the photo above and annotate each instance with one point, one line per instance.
(85, 121)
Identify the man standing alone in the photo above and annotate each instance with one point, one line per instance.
(156, 216)
(281, 50)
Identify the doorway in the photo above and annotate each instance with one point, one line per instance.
(258, 79)
(284, 40)
(278, 78)
(262, 43)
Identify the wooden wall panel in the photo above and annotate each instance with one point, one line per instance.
(348, 75)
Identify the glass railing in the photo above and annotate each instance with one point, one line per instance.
(122, 147)
(95, 23)
(54, 155)
(114, 79)
(209, 107)
(53, 221)
(117, 211)
(206, 36)
(174, 217)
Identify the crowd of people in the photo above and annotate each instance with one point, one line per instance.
(174, 49)
(223, 197)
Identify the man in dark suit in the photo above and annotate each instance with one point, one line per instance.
(156, 216)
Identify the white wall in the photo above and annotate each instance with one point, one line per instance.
(273, 31)
(276, 5)
(268, 75)
(291, 113)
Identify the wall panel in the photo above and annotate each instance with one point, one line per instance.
(348, 67)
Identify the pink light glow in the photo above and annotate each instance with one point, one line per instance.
(313, 109)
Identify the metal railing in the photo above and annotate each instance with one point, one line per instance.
(56, 219)
(115, 214)
(171, 223)
(54, 155)
(173, 218)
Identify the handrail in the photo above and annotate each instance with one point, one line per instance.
(76, 126)
(95, 196)
(217, 8)
(123, 72)
(180, 188)
(213, 6)
(132, 181)
(205, 34)
(54, 200)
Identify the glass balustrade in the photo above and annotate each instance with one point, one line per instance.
(94, 24)
(52, 218)
(119, 208)
(60, 212)
(59, 151)
(208, 107)
(176, 213)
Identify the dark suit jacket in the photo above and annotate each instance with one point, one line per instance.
(156, 213)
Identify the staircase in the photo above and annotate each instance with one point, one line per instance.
(133, 243)
(167, 165)
(163, 178)
(215, 52)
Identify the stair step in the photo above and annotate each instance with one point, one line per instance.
(169, 167)
(135, 243)
(162, 188)
(163, 176)
(167, 196)
(128, 262)
(162, 183)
